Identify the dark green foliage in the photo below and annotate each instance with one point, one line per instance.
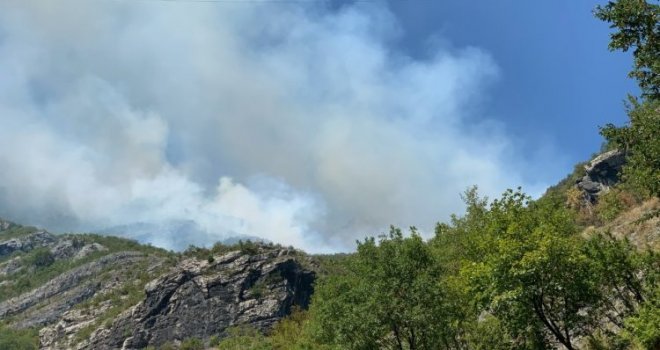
(637, 27)
(244, 338)
(390, 297)
(245, 247)
(644, 327)
(331, 264)
(19, 339)
(641, 140)
(192, 344)
(214, 341)
(636, 24)
(488, 334)
(531, 273)
(623, 271)
(258, 289)
(41, 258)
(248, 247)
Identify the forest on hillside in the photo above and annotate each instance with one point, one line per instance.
(513, 272)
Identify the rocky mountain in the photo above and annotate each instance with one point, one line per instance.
(601, 173)
(103, 292)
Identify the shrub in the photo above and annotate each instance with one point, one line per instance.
(192, 344)
(641, 142)
(214, 340)
(248, 247)
(643, 327)
(167, 346)
(258, 289)
(244, 338)
(613, 203)
(42, 258)
(19, 339)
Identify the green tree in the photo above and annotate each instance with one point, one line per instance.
(637, 27)
(389, 298)
(643, 328)
(41, 258)
(640, 139)
(626, 274)
(534, 275)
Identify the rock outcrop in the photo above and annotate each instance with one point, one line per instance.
(200, 299)
(601, 173)
(71, 280)
(93, 292)
(26, 243)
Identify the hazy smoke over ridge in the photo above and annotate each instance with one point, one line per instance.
(291, 122)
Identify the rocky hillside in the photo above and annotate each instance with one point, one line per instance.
(100, 292)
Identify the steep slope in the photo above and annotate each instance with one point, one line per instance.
(100, 292)
(640, 225)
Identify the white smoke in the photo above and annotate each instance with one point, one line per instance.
(292, 122)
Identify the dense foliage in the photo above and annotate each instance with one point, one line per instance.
(637, 27)
(640, 139)
(513, 268)
(18, 339)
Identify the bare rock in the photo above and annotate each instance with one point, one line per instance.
(201, 299)
(64, 282)
(61, 334)
(11, 266)
(64, 249)
(88, 249)
(26, 243)
(601, 173)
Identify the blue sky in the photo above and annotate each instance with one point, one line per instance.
(559, 81)
(305, 123)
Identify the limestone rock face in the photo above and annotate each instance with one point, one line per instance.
(68, 287)
(602, 173)
(26, 243)
(201, 299)
(93, 292)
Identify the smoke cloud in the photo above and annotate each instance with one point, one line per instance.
(294, 122)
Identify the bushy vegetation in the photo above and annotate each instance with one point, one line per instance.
(41, 266)
(17, 231)
(13, 339)
(637, 28)
(245, 247)
(511, 273)
(40, 258)
(640, 140)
